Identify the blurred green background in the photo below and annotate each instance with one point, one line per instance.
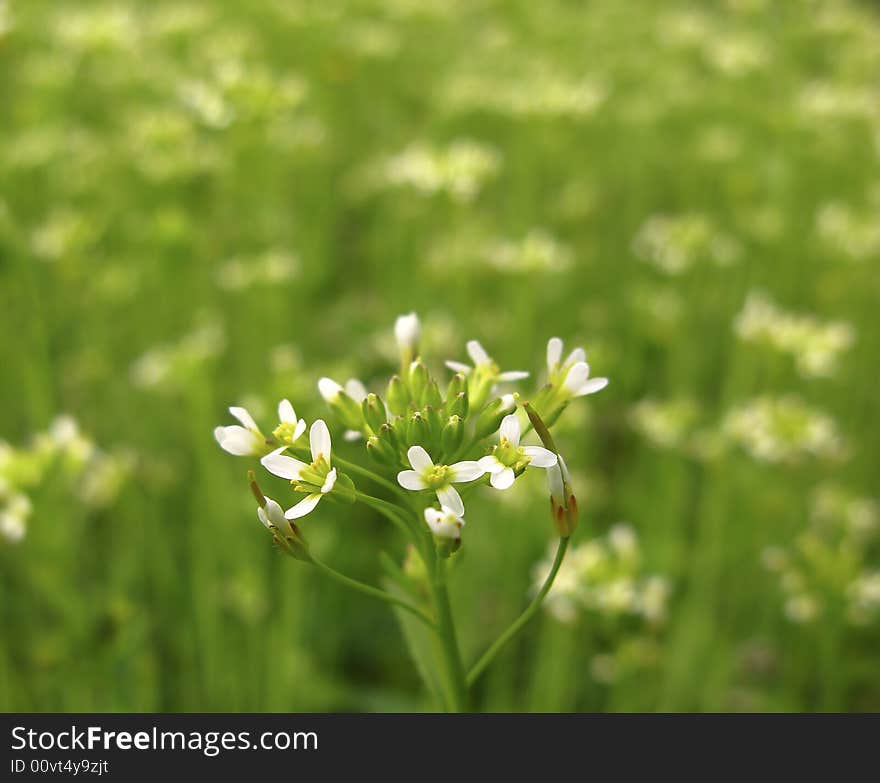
(204, 204)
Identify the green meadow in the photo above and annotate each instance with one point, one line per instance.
(214, 204)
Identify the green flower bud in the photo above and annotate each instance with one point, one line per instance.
(374, 412)
(457, 385)
(432, 395)
(458, 406)
(435, 423)
(417, 432)
(381, 451)
(490, 417)
(397, 396)
(390, 434)
(418, 380)
(452, 435)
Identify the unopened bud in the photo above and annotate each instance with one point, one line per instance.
(458, 406)
(374, 412)
(490, 417)
(407, 331)
(397, 396)
(418, 380)
(348, 411)
(452, 435)
(431, 395)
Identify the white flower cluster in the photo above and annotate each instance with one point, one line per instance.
(65, 454)
(667, 424)
(783, 429)
(605, 575)
(815, 345)
(440, 442)
(460, 170)
(830, 564)
(675, 243)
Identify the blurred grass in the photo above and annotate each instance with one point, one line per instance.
(145, 145)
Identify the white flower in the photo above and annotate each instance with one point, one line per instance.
(291, 428)
(355, 389)
(241, 440)
(572, 376)
(329, 389)
(273, 519)
(508, 455)
(482, 361)
(554, 355)
(440, 478)
(318, 476)
(407, 331)
(446, 523)
(579, 383)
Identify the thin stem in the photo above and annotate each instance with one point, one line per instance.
(389, 510)
(369, 474)
(374, 592)
(446, 631)
(520, 621)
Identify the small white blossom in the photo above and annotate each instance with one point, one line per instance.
(482, 361)
(407, 332)
(440, 478)
(242, 440)
(290, 428)
(508, 455)
(318, 476)
(445, 523)
(272, 517)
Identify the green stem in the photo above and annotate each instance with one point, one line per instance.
(445, 628)
(520, 621)
(389, 510)
(374, 592)
(369, 474)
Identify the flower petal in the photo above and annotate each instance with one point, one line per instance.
(329, 482)
(355, 389)
(464, 369)
(319, 440)
(468, 470)
(245, 418)
(540, 457)
(329, 389)
(576, 356)
(285, 467)
(477, 353)
(236, 440)
(592, 386)
(449, 497)
(491, 464)
(503, 480)
(554, 353)
(286, 414)
(510, 429)
(298, 430)
(409, 479)
(303, 507)
(576, 377)
(419, 459)
(512, 375)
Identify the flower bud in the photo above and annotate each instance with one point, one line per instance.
(432, 395)
(285, 533)
(452, 435)
(418, 380)
(490, 417)
(458, 406)
(457, 385)
(374, 412)
(390, 434)
(348, 411)
(397, 396)
(407, 331)
(381, 451)
(434, 422)
(417, 433)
